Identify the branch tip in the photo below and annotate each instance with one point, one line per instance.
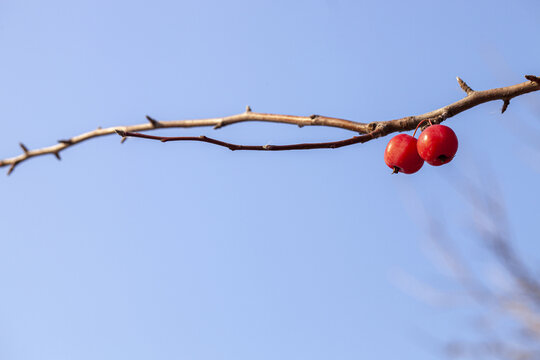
(463, 85)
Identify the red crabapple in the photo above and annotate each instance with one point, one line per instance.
(437, 145)
(401, 154)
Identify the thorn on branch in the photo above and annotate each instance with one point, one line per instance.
(248, 108)
(533, 78)
(11, 168)
(123, 140)
(153, 121)
(122, 133)
(66, 141)
(464, 86)
(24, 148)
(505, 105)
(218, 125)
(57, 155)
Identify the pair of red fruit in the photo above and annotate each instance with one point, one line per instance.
(437, 145)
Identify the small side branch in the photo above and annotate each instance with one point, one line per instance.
(464, 86)
(371, 130)
(233, 147)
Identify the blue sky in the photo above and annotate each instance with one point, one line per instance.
(184, 250)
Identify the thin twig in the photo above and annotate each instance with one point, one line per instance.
(304, 146)
(374, 129)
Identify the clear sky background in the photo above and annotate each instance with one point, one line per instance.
(189, 251)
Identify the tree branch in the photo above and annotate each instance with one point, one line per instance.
(371, 130)
(304, 146)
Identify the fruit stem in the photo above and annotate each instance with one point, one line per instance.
(420, 123)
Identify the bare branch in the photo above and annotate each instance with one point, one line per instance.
(373, 129)
(304, 146)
